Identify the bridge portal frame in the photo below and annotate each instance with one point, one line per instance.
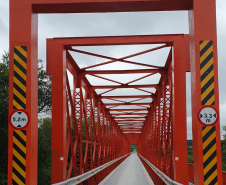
(174, 72)
(24, 32)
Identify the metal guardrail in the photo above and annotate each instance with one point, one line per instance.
(163, 176)
(87, 175)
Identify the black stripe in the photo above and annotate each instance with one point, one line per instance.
(19, 89)
(214, 167)
(19, 163)
(207, 46)
(20, 55)
(24, 132)
(24, 47)
(14, 183)
(211, 157)
(18, 175)
(19, 101)
(19, 151)
(209, 83)
(20, 78)
(19, 139)
(207, 97)
(204, 75)
(213, 182)
(209, 146)
(14, 107)
(200, 42)
(213, 103)
(20, 66)
(206, 60)
(208, 134)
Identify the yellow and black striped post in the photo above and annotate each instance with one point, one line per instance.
(19, 102)
(206, 73)
(19, 77)
(209, 155)
(208, 98)
(19, 157)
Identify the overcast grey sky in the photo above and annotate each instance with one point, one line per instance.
(140, 23)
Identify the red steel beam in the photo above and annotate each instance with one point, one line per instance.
(129, 96)
(119, 114)
(119, 40)
(124, 86)
(132, 118)
(120, 110)
(82, 72)
(126, 124)
(126, 103)
(100, 6)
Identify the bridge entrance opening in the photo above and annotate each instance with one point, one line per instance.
(158, 127)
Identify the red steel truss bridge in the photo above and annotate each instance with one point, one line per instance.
(93, 126)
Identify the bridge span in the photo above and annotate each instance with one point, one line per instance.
(99, 110)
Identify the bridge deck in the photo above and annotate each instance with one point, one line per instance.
(130, 172)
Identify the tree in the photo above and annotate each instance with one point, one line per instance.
(44, 90)
(133, 148)
(44, 151)
(44, 105)
(4, 76)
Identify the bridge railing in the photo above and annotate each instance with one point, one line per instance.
(87, 175)
(191, 174)
(163, 176)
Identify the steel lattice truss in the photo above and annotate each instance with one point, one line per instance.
(98, 132)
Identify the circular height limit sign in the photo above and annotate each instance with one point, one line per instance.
(208, 115)
(19, 119)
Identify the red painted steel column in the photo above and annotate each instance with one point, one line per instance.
(179, 113)
(58, 70)
(204, 87)
(22, 168)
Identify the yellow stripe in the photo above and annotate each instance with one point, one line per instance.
(208, 154)
(211, 177)
(18, 59)
(17, 180)
(17, 105)
(206, 130)
(21, 50)
(204, 69)
(20, 72)
(207, 91)
(19, 96)
(210, 138)
(18, 156)
(22, 172)
(21, 134)
(204, 43)
(208, 77)
(210, 165)
(19, 144)
(19, 84)
(216, 183)
(210, 101)
(206, 54)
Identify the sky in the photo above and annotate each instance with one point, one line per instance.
(110, 24)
